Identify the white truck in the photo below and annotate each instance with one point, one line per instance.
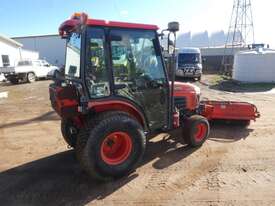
(189, 63)
(2, 78)
(27, 70)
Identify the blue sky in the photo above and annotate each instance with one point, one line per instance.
(44, 16)
(38, 17)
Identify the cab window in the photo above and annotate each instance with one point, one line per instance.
(136, 61)
(36, 63)
(24, 63)
(96, 73)
(72, 68)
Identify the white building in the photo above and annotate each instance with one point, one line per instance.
(255, 66)
(11, 52)
(50, 47)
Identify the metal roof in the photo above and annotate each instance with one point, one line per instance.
(36, 36)
(10, 41)
(189, 50)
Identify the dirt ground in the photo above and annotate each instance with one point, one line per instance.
(236, 166)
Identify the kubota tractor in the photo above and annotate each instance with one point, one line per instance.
(116, 91)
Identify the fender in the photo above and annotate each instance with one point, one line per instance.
(111, 105)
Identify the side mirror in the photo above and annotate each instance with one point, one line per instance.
(173, 26)
(161, 35)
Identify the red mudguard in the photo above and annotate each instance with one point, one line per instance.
(64, 100)
(226, 110)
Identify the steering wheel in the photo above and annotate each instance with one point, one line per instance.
(143, 81)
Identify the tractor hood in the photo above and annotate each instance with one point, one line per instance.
(183, 88)
(189, 92)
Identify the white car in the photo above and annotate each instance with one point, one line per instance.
(28, 70)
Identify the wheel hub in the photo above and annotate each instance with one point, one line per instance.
(201, 130)
(116, 148)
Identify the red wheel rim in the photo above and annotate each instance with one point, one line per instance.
(116, 148)
(200, 133)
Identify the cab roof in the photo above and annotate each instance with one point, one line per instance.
(71, 24)
(97, 22)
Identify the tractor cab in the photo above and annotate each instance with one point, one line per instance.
(117, 64)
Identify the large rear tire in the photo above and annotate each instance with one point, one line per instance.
(111, 146)
(196, 130)
(69, 132)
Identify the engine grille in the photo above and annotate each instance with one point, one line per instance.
(180, 103)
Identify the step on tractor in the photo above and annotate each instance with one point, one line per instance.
(115, 93)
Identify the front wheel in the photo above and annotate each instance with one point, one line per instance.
(196, 130)
(31, 77)
(112, 147)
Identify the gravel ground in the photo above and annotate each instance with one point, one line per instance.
(234, 167)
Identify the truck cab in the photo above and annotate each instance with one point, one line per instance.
(189, 63)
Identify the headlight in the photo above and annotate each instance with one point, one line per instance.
(197, 90)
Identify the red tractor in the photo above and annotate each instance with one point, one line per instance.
(115, 92)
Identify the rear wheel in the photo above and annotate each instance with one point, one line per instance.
(69, 132)
(111, 146)
(14, 80)
(196, 130)
(31, 77)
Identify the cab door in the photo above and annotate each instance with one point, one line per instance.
(139, 74)
(45, 68)
(37, 68)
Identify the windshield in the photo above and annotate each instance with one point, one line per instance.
(72, 68)
(190, 58)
